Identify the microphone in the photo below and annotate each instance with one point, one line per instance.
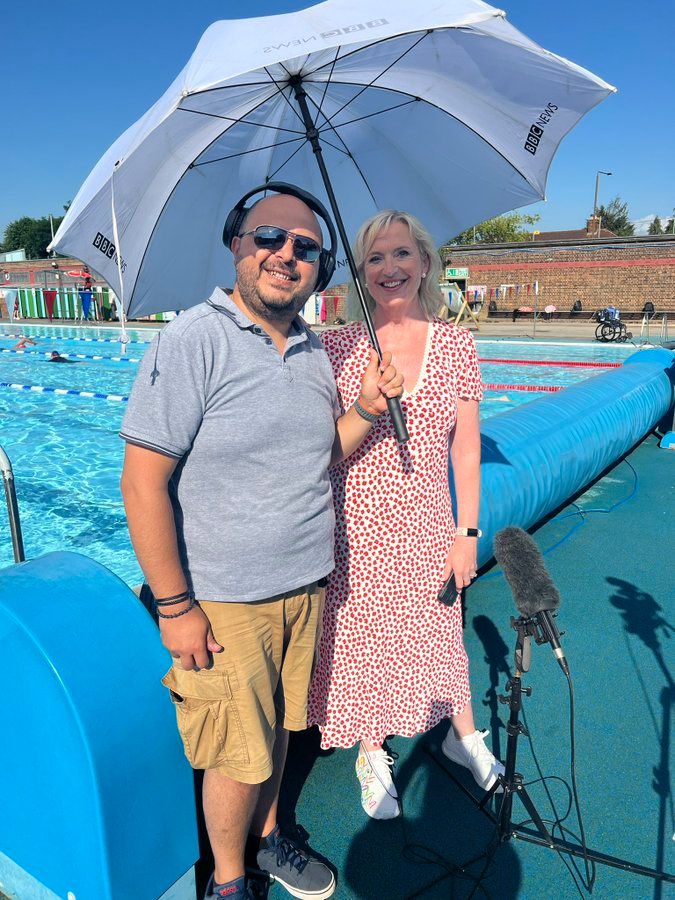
(533, 590)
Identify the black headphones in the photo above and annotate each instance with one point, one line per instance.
(236, 217)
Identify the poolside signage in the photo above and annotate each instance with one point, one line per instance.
(451, 273)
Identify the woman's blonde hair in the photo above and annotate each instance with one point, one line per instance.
(431, 298)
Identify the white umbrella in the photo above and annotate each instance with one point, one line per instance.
(439, 108)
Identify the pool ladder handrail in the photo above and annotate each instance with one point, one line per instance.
(12, 507)
(663, 337)
(644, 330)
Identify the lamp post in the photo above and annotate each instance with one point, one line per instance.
(51, 228)
(597, 188)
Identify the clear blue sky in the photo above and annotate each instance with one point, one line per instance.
(76, 74)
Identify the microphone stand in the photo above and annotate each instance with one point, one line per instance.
(512, 781)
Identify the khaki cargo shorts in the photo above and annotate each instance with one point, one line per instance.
(227, 715)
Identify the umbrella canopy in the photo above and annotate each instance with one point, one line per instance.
(439, 108)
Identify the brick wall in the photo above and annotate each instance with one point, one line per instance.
(624, 273)
(40, 273)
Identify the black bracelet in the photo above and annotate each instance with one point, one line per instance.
(181, 596)
(187, 609)
(368, 416)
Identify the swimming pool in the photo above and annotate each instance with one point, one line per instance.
(511, 376)
(67, 457)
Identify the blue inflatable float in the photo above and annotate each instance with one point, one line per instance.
(536, 457)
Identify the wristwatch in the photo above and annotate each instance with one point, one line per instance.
(469, 532)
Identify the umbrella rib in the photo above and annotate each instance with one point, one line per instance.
(334, 146)
(347, 151)
(273, 175)
(326, 85)
(281, 91)
(243, 121)
(367, 47)
(207, 162)
(383, 72)
(445, 112)
(229, 87)
(380, 112)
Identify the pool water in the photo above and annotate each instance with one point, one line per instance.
(67, 456)
(557, 375)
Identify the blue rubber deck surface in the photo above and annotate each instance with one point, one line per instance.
(615, 576)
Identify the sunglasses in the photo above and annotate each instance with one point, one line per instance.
(273, 238)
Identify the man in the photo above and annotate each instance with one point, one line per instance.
(55, 357)
(230, 431)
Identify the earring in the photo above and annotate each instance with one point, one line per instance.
(424, 274)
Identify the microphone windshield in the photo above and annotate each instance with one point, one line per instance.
(523, 566)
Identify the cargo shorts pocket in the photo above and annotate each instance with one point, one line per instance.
(208, 719)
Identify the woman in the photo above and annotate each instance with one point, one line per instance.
(391, 658)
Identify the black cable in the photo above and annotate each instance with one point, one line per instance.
(590, 878)
(558, 819)
(421, 854)
(573, 799)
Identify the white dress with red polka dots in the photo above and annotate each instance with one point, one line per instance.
(391, 657)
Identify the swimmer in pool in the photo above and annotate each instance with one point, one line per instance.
(57, 358)
(24, 342)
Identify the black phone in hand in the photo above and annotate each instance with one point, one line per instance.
(449, 593)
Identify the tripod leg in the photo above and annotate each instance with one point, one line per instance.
(521, 791)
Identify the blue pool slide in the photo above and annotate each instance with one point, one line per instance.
(97, 797)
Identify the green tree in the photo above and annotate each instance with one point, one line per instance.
(670, 227)
(615, 217)
(655, 227)
(31, 235)
(500, 230)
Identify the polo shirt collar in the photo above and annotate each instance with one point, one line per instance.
(221, 301)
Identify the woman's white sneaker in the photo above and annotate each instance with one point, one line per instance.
(472, 753)
(378, 793)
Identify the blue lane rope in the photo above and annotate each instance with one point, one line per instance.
(40, 389)
(11, 334)
(127, 359)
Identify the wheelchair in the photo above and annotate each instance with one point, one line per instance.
(611, 329)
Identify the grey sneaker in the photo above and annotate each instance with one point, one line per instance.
(472, 753)
(252, 891)
(295, 868)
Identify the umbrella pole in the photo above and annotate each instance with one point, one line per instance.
(393, 403)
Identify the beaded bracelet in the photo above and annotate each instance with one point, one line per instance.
(187, 609)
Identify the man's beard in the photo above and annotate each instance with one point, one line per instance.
(268, 304)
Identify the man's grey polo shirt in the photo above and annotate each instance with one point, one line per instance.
(253, 432)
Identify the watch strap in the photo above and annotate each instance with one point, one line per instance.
(368, 416)
(468, 532)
